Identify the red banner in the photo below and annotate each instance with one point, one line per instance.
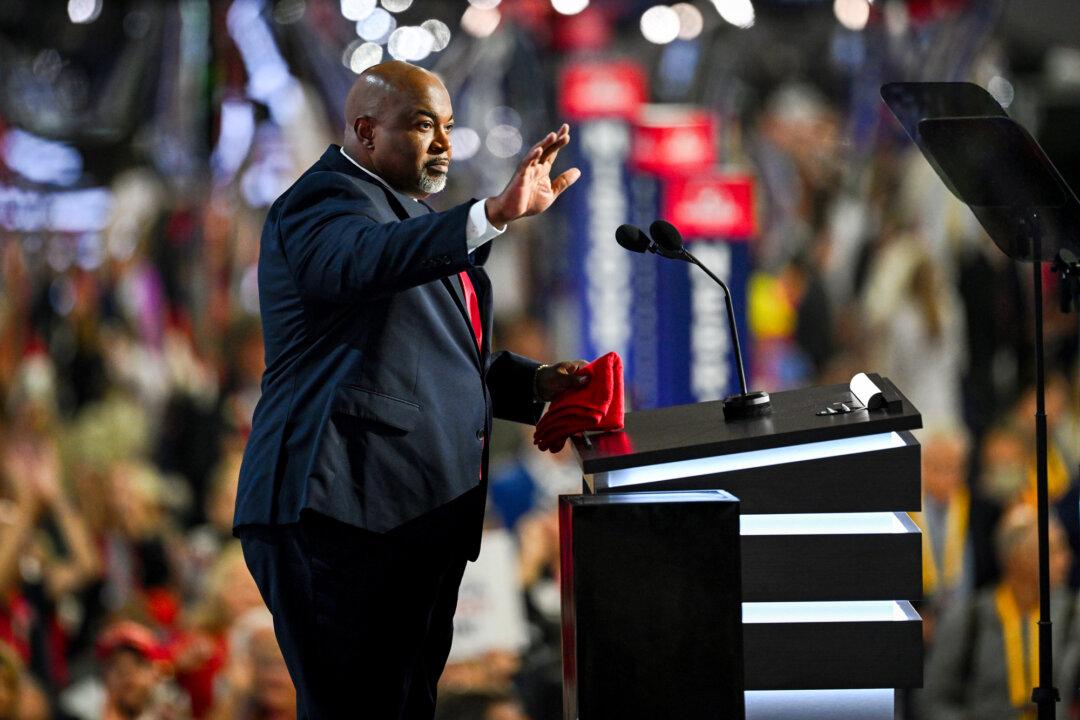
(711, 206)
(675, 139)
(602, 90)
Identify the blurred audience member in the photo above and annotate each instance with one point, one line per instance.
(135, 676)
(36, 576)
(201, 650)
(205, 542)
(532, 480)
(256, 684)
(919, 333)
(984, 660)
(947, 558)
(479, 704)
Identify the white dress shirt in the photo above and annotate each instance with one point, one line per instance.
(477, 229)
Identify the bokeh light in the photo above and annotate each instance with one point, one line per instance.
(739, 13)
(502, 115)
(480, 22)
(503, 141)
(377, 26)
(396, 6)
(569, 7)
(691, 22)
(852, 14)
(440, 33)
(660, 24)
(1002, 90)
(485, 4)
(364, 56)
(83, 11)
(466, 142)
(356, 10)
(410, 43)
(288, 12)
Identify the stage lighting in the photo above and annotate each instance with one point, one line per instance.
(466, 143)
(377, 26)
(852, 14)
(569, 7)
(439, 32)
(691, 22)
(739, 13)
(356, 10)
(503, 141)
(660, 24)
(410, 43)
(480, 22)
(364, 56)
(83, 11)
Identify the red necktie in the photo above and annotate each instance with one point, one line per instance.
(474, 307)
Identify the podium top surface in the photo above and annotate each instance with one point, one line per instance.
(689, 432)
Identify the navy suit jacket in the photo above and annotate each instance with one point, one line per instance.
(376, 403)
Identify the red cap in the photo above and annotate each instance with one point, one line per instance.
(130, 635)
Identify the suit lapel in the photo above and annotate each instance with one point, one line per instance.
(404, 207)
(416, 208)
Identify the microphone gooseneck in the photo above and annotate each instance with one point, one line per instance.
(746, 404)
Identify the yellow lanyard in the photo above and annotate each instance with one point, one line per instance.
(1020, 683)
(956, 527)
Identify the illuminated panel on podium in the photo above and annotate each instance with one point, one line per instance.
(753, 459)
(832, 611)
(875, 704)
(876, 523)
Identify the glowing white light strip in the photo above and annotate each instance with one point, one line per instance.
(819, 612)
(753, 459)
(876, 704)
(822, 524)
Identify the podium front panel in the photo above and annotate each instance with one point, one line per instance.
(651, 606)
(843, 645)
(841, 556)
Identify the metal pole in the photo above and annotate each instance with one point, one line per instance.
(1045, 695)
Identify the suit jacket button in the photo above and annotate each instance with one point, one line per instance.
(480, 434)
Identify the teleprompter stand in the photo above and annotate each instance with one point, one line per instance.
(993, 165)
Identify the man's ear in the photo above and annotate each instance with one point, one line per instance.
(364, 127)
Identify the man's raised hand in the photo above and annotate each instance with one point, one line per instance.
(531, 190)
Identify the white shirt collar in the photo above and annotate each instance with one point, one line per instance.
(346, 156)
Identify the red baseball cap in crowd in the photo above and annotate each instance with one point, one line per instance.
(130, 635)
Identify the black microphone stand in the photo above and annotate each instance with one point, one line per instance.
(747, 404)
(730, 317)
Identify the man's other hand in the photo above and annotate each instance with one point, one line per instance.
(554, 380)
(531, 190)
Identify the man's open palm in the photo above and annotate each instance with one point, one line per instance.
(531, 190)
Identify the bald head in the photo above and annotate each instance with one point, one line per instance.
(384, 83)
(397, 123)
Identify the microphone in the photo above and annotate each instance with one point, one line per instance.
(632, 238)
(746, 404)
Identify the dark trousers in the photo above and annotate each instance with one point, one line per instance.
(364, 622)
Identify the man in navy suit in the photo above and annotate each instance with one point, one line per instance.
(363, 484)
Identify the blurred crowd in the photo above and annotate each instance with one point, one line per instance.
(131, 359)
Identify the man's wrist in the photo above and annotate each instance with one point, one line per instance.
(494, 215)
(537, 397)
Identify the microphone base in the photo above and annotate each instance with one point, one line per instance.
(751, 405)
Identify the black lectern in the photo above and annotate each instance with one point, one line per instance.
(829, 557)
(651, 630)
